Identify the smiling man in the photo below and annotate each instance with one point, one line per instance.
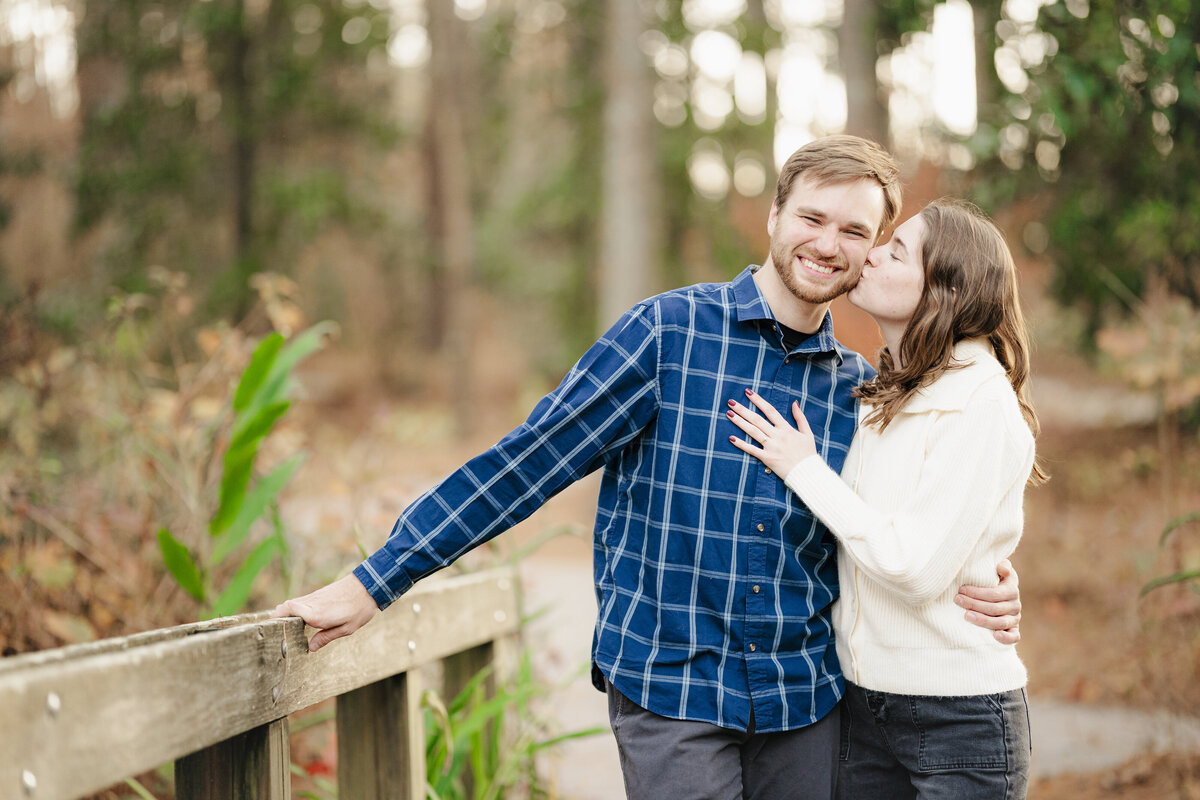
(714, 583)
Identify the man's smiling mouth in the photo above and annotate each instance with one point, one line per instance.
(815, 267)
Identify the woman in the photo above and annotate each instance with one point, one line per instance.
(930, 497)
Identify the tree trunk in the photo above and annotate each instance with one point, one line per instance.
(450, 208)
(866, 116)
(629, 225)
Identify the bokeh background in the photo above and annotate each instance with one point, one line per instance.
(469, 190)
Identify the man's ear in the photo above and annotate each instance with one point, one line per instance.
(771, 219)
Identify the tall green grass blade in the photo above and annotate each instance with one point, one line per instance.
(138, 789)
(1178, 522)
(1165, 580)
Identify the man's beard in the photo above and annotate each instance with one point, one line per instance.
(810, 292)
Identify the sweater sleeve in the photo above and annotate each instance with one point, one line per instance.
(604, 402)
(972, 460)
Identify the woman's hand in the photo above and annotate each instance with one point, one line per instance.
(782, 446)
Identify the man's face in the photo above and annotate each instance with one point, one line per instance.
(821, 236)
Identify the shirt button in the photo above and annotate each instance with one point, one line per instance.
(756, 588)
(753, 647)
(761, 527)
(768, 470)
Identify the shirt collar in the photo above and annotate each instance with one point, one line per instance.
(952, 390)
(752, 306)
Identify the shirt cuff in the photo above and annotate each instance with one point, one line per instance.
(383, 590)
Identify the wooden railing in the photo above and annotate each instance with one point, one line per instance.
(214, 698)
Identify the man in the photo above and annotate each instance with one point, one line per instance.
(714, 582)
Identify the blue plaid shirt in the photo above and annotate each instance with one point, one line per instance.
(714, 582)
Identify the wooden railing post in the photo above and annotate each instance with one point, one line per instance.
(460, 668)
(381, 740)
(255, 765)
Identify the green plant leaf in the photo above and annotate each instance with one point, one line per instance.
(239, 465)
(1165, 580)
(180, 564)
(255, 503)
(1178, 522)
(256, 426)
(238, 590)
(276, 385)
(257, 371)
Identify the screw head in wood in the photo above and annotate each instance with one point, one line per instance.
(53, 703)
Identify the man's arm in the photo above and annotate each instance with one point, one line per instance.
(604, 402)
(997, 608)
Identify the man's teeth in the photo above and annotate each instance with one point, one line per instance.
(815, 266)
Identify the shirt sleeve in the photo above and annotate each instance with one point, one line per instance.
(603, 403)
(972, 461)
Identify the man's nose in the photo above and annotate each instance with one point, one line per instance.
(826, 243)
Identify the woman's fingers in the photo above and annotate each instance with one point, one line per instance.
(746, 447)
(750, 416)
(766, 408)
(801, 422)
(746, 425)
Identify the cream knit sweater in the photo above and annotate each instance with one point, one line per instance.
(929, 504)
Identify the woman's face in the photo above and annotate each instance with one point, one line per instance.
(894, 277)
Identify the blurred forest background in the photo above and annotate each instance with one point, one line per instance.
(462, 193)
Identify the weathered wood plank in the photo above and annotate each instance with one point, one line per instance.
(381, 741)
(124, 643)
(255, 765)
(78, 724)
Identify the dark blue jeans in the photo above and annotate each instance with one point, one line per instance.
(934, 748)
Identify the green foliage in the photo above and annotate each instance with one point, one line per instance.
(194, 108)
(257, 405)
(1185, 576)
(464, 735)
(1109, 128)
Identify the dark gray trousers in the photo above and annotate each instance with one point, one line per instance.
(671, 759)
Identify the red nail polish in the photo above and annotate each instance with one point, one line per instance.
(729, 414)
(732, 404)
(732, 439)
(749, 393)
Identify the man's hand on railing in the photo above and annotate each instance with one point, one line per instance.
(336, 610)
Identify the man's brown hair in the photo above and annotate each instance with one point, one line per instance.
(842, 158)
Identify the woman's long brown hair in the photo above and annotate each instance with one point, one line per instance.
(970, 293)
